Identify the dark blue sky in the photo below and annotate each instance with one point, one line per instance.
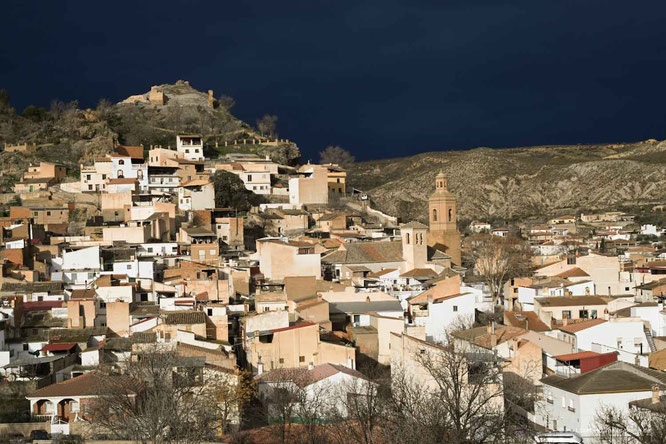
(380, 78)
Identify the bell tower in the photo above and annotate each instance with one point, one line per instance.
(443, 217)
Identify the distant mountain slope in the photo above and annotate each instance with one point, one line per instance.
(520, 182)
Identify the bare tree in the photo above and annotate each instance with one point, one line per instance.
(226, 102)
(449, 393)
(267, 124)
(360, 411)
(497, 260)
(230, 393)
(158, 398)
(640, 424)
(336, 154)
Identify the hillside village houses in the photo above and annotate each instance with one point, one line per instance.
(311, 282)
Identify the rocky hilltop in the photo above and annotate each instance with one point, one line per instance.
(516, 183)
(71, 136)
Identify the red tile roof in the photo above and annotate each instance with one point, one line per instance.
(577, 356)
(64, 346)
(41, 305)
(580, 326)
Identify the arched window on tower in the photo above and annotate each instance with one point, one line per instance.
(434, 215)
(407, 238)
(450, 214)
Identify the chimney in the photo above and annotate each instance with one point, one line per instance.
(493, 340)
(565, 321)
(260, 368)
(655, 394)
(310, 366)
(210, 98)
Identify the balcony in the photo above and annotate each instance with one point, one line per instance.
(42, 418)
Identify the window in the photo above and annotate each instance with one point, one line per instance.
(87, 176)
(90, 187)
(564, 402)
(212, 252)
(450, 214)
(25, 347)
(282, 360)
(210, 312)
(129, 266)
(593, 314)
(187, 151)
(121, 174)
(583, 314)
(455, 308)
(249, 177)
(102, 304)
(48, 213)
(121, 162)
(434, 215)
(301, 359)
(103, 176)
(619, 342)
(571, 406)
(566, 314)
(407, 238)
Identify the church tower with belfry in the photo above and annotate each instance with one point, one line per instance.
(443, 219)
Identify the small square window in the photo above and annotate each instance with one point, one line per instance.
(282, 360)
(301, 359)
(455, 308)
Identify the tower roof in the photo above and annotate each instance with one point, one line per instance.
(441, 188)
(414, 224)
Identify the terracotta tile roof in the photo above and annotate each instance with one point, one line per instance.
(88, 384)
(616, 377)
(580, 326)
(185, 317)
(380, 273)
(121, 181)
(87, 293)
(420, 273)
(528, 320)
(42, 305)
(135, 152)
(366, 252)
(62, 346)
(414, 224)
(577, 356)
(480, 336)
(565, 301)
(573, 272)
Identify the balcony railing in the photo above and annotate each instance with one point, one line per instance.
(42, 418)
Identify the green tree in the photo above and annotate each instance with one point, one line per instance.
(34, 113)
(230, 192)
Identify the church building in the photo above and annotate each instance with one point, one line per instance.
(444, 234)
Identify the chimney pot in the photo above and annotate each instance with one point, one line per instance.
(655, 394)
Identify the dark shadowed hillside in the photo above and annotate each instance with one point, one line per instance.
(520, 182)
